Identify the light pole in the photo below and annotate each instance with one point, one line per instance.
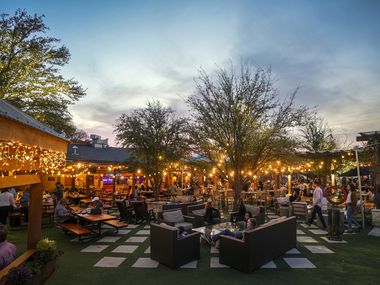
(360, 187)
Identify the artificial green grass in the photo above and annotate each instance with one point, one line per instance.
(356, 262)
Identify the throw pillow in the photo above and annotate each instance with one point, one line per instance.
(173, 216)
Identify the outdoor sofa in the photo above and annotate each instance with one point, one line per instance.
(170, 249)
(259, 245)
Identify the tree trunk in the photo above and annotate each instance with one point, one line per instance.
(237, 187)
(156, 187)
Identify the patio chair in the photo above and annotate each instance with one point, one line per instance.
(171, 250)
(141, 212)
(177, 219)
(299, 209)
(126, 213)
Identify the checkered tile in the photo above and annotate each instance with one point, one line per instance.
(214, 263)
(123, 232)
(270, 264)
(192, 264)
(333, 241)
(95, 248)
(125, 249)
(306, 239)
(109, 239)
(145, 262)
(293, 251)
(110, 262)
(143, 232)
(136, 239)
(299, 262)
(318, 249)
(318, 232)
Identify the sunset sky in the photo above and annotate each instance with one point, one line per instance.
(128, 52)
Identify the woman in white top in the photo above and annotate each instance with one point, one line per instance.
(7, 203)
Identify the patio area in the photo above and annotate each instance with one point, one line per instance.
(123, 258)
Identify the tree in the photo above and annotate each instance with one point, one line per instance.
(77, 136)
(30, 76)
(156, 137)
(240, 124)
(317, 136)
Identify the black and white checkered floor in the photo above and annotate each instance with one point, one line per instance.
(117, 248)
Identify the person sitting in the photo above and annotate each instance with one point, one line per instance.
(212, 214)
(62, 214)
(239, 216)
(7, 249)
(249, 225)
(98, 206)
(181, 232)
(294, 196)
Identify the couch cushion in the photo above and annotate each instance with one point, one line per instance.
(253, 209)
(166, 226)
(185, 225)
(200, 212)
(283, 200)
(173, 216)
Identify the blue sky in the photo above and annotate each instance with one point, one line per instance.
(128, 52)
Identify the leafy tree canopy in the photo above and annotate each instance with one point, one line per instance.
(317, 136)
(30, 76)
(156, 136)
(240, 122)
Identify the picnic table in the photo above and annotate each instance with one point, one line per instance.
(95, 219)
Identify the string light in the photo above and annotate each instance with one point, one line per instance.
(21, 156)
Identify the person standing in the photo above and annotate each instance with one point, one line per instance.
(58, 191)
(351, 202)
(7, 203)
(13, 192)
(24, 203)
(317, 203)
(7, 249)
(212, 215)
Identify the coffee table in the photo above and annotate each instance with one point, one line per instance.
(210, 230)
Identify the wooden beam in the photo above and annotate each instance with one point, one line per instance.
(13, 131)
(35, 215)
(19, 180)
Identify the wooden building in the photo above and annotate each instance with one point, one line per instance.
(29, 151)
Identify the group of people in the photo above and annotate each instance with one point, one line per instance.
(350, 203)
(63, 215)
(10, 201)
(242, 221)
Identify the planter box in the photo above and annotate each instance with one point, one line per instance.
(46, 271)
(376, 217)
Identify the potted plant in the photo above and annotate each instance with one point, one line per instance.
(38, 268)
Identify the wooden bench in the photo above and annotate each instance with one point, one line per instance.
(75, 229)
(116, 224)
(17, 262)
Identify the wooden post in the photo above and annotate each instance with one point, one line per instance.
(35, 215)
